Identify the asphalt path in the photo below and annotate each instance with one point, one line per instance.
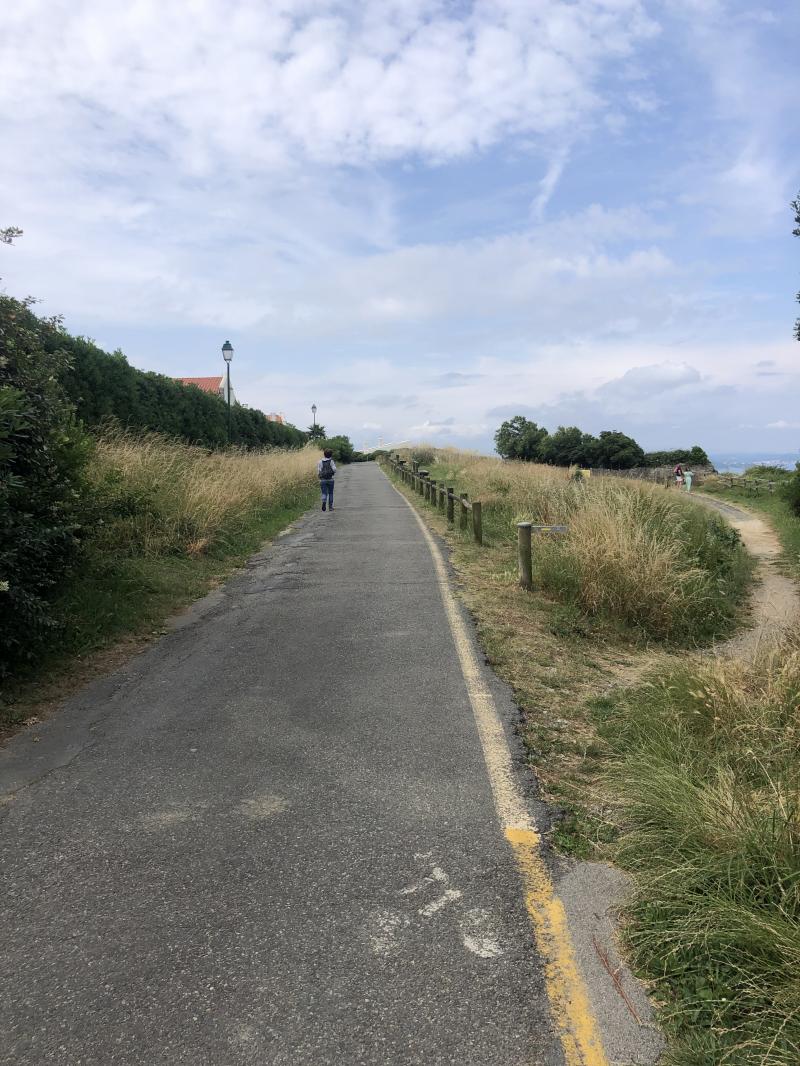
(271, 838)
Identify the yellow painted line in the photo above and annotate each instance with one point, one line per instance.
(569, 1001)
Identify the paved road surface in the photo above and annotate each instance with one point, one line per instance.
(270, 839)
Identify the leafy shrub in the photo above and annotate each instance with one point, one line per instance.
(42, 455)
(341, 447)
(790, 490)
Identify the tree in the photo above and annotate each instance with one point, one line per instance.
(316, 432)
(618, 451)
(341, 446)
(569, 446)
(9, 234)
(796, 232)
(519, 439)
(694, 456)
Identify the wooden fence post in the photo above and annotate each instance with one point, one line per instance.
(442, 496)
(525, 556)
(462, 518)
(477, 522)
(451, 504)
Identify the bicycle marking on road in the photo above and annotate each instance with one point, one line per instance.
(569, 1000)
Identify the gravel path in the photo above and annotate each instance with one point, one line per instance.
(775, 602)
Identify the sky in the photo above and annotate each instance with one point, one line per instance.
(425, 216)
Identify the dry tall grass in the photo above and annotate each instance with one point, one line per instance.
(636, 551)
(157, 496)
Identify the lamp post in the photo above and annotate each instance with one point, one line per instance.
(227, 355)
(314, 414)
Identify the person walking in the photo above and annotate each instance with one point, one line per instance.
(687, 480)
(326, 470)
(678, 472)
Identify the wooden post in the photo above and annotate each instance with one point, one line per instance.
(451, 517)
(442, 496)
(462, 518)
(423, 474)
(525, 555)
(477, 522)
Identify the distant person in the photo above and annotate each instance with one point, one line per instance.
(326, 470)
(687, 478)
(678, 475)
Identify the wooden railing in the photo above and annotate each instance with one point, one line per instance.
(441, 496)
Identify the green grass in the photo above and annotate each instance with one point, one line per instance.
(775, 509)
(706, 771)
(112, 597)
(647, 561)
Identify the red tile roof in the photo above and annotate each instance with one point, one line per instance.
(206, 384)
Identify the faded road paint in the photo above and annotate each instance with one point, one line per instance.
(569, 1000)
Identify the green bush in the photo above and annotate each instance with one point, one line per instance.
(105, 386)
(790, 490)
(42, 454)
(342, 448)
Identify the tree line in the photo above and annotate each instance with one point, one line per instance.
(518, 438)
(104, 385)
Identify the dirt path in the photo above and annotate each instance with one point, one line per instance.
(775, 601)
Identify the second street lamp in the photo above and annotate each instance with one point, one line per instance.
(227, 355)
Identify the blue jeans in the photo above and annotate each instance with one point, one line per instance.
(327, 491)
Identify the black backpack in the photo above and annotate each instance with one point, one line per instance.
(326, 470)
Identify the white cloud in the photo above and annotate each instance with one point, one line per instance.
(782, 423)
(655, 380)
(208, 162)
(713, 397)
(339, 82)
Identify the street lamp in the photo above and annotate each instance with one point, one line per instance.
(314, 414)
(227, 355)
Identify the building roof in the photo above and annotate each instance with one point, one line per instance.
(206, 384)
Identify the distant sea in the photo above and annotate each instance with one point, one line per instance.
(738, 462)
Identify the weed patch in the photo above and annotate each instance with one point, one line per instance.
(706, 769)
(634, 555)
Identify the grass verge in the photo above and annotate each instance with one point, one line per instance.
(170, 522)
(636, 555)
